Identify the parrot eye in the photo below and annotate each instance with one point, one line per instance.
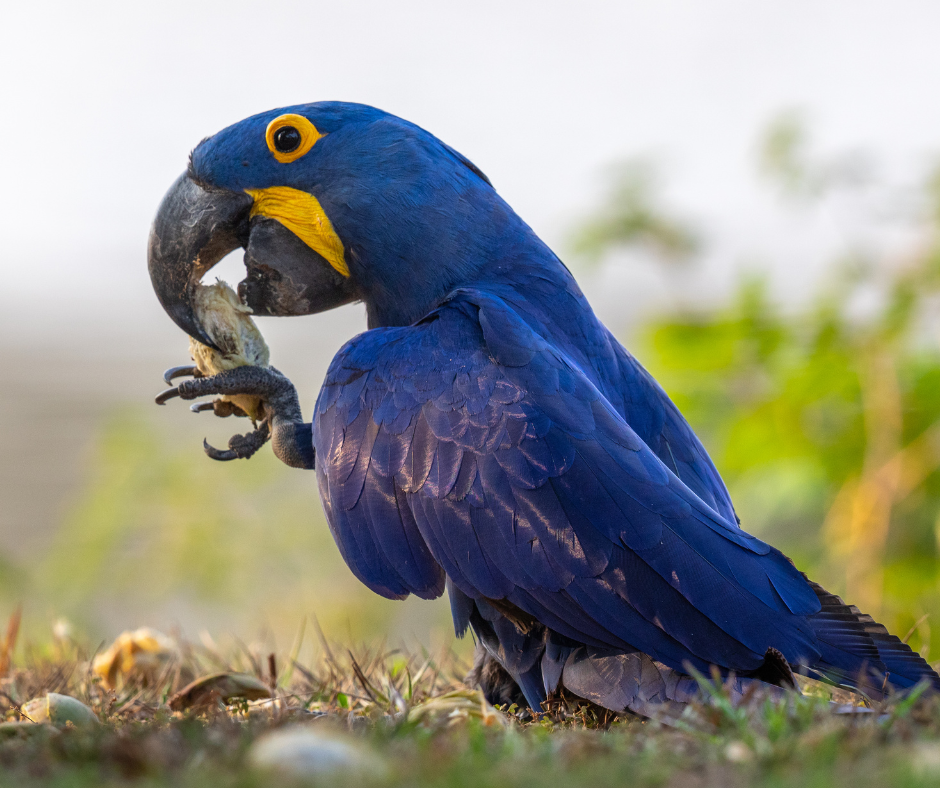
(287, 139)
(290, 136)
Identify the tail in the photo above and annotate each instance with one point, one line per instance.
(860, 652)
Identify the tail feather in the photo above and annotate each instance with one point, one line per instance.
(858, 651)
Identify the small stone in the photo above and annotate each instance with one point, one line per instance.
(738, 752)
(303, 751)
(925, 759)
(59, 710)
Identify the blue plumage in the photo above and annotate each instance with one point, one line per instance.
(574, 519)
(489, 434)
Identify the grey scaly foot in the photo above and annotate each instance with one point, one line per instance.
(240, 447)
(222, 408)
(179, 372)
(291, 437)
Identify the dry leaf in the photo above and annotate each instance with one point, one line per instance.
(223, 687)
(142, 653)
(456, 707)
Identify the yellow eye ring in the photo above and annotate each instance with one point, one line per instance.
(290, 136)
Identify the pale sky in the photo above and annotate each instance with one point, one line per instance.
(103, 101)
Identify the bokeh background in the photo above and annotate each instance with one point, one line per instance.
(748, 192)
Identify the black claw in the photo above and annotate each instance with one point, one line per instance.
(164, 396)
(178, 372)
(199, 407)
(217, 454)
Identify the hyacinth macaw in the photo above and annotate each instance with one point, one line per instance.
(487, 434)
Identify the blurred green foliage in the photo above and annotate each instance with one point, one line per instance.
(161, 536)
(825, 421)
(786, 158)
(633, 216)
(825, 429)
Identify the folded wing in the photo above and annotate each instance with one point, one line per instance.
(466, 445)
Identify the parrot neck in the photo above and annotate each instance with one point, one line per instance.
(401, 280)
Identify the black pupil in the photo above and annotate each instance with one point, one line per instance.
(286, 139)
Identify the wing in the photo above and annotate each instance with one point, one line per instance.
(632, 391)
(466, 443)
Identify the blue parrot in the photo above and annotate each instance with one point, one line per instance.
(487, 434)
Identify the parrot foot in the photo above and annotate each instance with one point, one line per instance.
(240, 447)
(266, 383)
(291, 437)
(220, 407)
(178, 372)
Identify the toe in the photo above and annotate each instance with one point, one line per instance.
(164, 396)
(218, 454)
(179, 372)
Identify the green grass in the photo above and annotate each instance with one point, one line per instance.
(412, 713)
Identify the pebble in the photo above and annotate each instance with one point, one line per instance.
(304, 751)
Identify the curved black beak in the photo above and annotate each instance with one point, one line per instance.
(193, 230)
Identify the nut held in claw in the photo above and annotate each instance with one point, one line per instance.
(228, 323)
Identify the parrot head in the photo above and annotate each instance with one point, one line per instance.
(332, 203)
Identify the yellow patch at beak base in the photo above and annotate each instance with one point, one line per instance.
(302, 214)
